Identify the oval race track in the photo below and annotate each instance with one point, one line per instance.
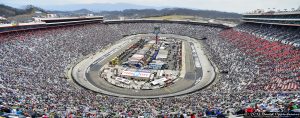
(196, 77)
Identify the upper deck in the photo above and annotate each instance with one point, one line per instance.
(291, 18)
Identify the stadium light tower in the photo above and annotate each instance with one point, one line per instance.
(156, 32)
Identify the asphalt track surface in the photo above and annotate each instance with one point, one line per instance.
(86, 72)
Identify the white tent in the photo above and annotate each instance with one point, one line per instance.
(162, 54)
(122, 80)
(159, 81)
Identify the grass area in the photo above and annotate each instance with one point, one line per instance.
(194, 18)
(174, 17)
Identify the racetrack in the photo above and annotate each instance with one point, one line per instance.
(85, 73)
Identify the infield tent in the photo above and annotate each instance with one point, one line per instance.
(160, 81)
(122, 80)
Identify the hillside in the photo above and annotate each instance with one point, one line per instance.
(20, 15)
(27, 13)
(143, 13)
(96, 7)
(8, 11)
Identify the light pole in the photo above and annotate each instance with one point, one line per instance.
(156, 32)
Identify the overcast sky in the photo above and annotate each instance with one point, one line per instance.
(239, 6)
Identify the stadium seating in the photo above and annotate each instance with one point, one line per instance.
(259, 73)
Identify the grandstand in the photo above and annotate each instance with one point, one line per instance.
(290, 18)
(274, 26)
(50, 22)
(260, 60)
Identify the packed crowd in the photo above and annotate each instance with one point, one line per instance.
(278, 63)
(284, 34)
(33, 63)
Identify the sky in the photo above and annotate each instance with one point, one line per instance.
(238, 6)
